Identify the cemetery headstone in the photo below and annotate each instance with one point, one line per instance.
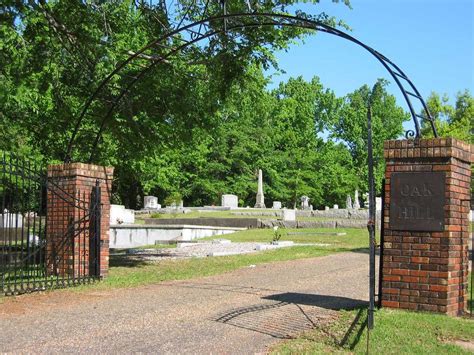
(289, 215)
(276, 205)
(349, 202)
(356, 204)
(304, 202)
(378, 203)
(229, 200)
(151, 203)
(120, 215)
(260, 200)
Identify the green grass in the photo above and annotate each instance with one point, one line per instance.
(137, 273)
(126, 272)
(395, 332)
(355, 237)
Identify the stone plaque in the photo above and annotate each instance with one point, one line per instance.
(417, 201)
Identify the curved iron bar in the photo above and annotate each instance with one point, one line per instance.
(42, 180)
(275, 20)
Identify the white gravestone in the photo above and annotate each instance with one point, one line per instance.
(326, 208)
(260, 199)
(231, 201)
(276, 205)
(177, 204)
(378, 203)
(349, 202)
(11, 220)
(120, 215)
(304, 202)
(336, 207)
(289, 215)
(356, 204)
(366, 200)
(151, 203)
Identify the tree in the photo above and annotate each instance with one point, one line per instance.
(51, 61)
(451, 121)
(350, 126)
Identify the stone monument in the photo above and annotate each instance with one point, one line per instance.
(349, 202)
(151, 203)
(231, 201)
(260, 200)
(121, 215)
(289, 215)
(378, 203)
(356, 204)
(276, 205)
(304, 202)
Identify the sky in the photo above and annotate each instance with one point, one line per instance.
(430, 40)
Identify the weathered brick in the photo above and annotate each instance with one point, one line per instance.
(436, 262)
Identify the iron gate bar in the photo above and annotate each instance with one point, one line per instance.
(36, 250)
(371, 222)
(382, 240)
(276, 20)
(31, 174)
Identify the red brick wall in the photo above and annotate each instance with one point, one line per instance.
(68, 202)
(428, 270)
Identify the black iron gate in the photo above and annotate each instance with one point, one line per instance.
(49, 234)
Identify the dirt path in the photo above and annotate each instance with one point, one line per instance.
(244, 311)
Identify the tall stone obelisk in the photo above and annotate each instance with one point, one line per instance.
(260, 201)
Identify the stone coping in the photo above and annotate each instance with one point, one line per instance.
(429, 148)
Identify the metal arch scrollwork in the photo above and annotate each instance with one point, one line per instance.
(410, 134)
(190, 34)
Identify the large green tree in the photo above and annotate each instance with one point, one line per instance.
(451, 121)
(350, 126)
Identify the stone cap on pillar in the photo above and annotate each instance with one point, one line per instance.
(80, 169)
(429, 147)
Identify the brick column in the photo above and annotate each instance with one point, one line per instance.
(68, 202)
(425, 258)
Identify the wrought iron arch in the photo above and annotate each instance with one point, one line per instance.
(200, 30)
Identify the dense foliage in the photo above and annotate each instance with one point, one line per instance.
(199, 125)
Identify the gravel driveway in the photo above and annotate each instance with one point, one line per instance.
(243, 311)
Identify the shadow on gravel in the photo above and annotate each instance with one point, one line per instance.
(125, 261)
(335, 303)
(279, 320)
(286, 315)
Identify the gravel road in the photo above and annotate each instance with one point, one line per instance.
(240, 312)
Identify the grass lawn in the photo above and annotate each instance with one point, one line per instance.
(131, 274)
(355, 238)
(124, 273)
(395, 332)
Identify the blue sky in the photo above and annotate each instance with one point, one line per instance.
(430, 40)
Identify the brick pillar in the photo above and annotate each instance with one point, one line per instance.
(425, 258)
(68, 202)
